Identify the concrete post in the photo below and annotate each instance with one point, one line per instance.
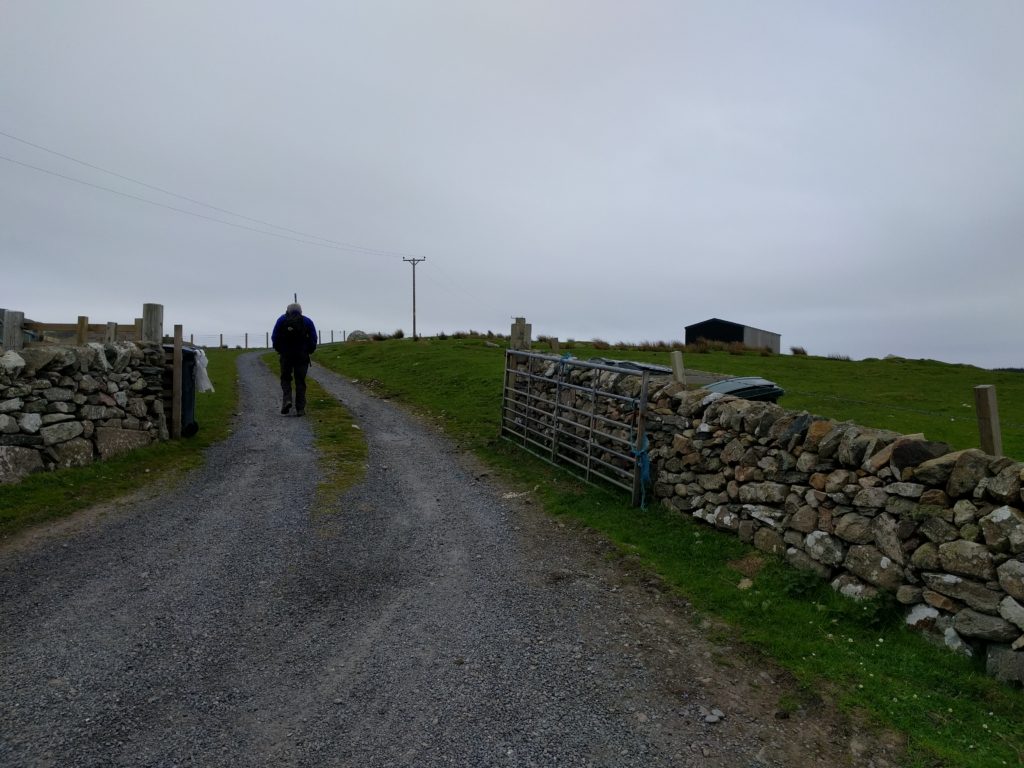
(110, 336)
(153, 322)
(988, 419)
(14, 337)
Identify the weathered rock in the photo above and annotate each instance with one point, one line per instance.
(970, 469)
(1003, 529)
(1012, 611)
(977, 596)
(12, 405)
(938, 530)
(926, 557)
(767, 515)
(912, 453)
(873, 567)
(970, 623)
(824, 548)
(1004, 664)
(8, 425)
(17, 463)
(768, 540)
(937, 471)
(909, 595)
(940, 601)
(58, 394)
(955, 643)
(799, 559)
(967, 559)
(935, 497)
(964, 512)
(907, 490)
(61, 432)
(111, 441)
(29, 423)
(805, 519)
(73, 453)
(1005, 486)
(816, 432)
(1011, 578)
(871, 498)
(854, 528)
(764, 493)
(853, 588)
(922, 617)
(11, 363)
(887, 538)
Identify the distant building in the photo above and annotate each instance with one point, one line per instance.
(724, 330)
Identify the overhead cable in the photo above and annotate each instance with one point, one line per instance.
(341, 245)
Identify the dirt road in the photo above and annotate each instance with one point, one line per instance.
(431, 619)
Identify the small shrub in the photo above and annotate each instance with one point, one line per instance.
(398, 334)
(442, 335)
(600, 344)
(767, 352)
(378, 336)
(797, 351)
(737, 348)
(839, 357)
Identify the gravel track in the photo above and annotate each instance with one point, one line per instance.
(431, 619)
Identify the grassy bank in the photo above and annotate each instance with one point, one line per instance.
(51, 495)
(859, 655)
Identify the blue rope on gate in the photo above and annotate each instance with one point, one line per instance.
(644, 458)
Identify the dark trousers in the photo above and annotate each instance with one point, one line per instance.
(294, 366)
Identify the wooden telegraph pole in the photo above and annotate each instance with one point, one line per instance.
(414, 262)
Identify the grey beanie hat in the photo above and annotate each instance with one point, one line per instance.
(294, 308)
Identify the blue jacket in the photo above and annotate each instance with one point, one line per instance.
(284, 344)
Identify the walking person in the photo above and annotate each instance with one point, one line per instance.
(294, 340)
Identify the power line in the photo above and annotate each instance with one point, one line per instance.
(338, 244)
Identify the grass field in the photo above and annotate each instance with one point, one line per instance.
(860, 655)
(52, 495)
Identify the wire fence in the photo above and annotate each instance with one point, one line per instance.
(252, 340)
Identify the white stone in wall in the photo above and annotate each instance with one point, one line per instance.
(1012, 611)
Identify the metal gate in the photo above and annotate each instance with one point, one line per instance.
(588, 417)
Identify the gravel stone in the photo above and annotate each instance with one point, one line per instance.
(431, 617)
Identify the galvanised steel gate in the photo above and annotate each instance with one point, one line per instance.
(583, 415)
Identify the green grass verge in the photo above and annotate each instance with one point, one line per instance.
(858, 654)
(52, 495)
(339, 441)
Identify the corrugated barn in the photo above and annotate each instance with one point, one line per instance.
(724, 330)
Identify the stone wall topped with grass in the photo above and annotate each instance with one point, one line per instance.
(70, 406)
(871, 511)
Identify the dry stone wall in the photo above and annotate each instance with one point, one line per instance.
(869, 510)
(70, 406)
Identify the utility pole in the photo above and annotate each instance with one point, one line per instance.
(414, 262)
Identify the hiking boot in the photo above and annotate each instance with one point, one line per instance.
(287, 406)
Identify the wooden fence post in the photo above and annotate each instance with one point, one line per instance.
(153, 322)
(988, 419)
(14, 337)
(222, 340)
(138, 329)
(176, 385)
(332, 336)
(247, 340)
(268, 339)
(82, 333)
(111, 334)
(678, 371)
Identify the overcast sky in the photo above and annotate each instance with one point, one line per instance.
(847, 174)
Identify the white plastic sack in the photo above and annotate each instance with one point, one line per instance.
(203, 383)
